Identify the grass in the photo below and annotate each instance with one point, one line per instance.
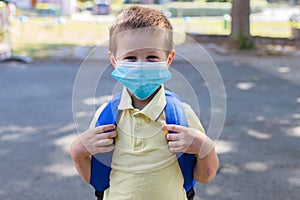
(39, 29)
(39, 50)
(271, 29)
(39, 35)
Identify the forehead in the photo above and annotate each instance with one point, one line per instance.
(137, 40)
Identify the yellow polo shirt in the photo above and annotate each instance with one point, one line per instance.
(143, 168)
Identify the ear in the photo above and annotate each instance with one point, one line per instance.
(112, 59)
(171, 58)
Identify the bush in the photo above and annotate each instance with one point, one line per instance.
(206, 9)
(245, 42)
(199, 11)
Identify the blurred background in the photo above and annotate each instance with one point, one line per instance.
(254, 44)
(36, 27)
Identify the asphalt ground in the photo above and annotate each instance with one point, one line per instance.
(258, 148)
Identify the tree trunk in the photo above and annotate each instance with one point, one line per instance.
(240, 12)
(292, 2)
(240, 24)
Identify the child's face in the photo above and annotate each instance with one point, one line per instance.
(141, 46)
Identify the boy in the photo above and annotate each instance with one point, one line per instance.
(144, 163)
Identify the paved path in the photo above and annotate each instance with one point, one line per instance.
(261, 134)
(258, 149)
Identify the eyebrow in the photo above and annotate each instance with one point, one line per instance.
(150, 51)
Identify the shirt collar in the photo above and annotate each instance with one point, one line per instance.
(126, 102)
(154, 108)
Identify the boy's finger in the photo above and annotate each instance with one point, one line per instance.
(107, 135)
(108, 148)
(172, 137)
(103, 128)
(112, 134)
(105, 142)
(104, 149)
(173, 144)
(175, 149)
(171, 127)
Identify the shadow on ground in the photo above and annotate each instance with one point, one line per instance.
(258, 149)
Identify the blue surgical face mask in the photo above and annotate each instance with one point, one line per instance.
(142, 79)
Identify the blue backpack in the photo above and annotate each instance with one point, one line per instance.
(175, 114)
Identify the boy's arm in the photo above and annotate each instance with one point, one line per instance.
(81, 159)
(91, 142)
(192, 141)
(207, 160)
(206, 168)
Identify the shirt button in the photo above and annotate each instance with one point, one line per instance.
(137, 130)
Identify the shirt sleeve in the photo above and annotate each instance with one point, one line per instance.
(192, 118)
(96, 115)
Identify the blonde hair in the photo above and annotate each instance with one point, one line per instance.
(136, 17)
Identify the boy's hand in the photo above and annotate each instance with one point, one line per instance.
(188, 140)
(96, 141)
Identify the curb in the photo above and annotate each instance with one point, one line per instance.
(99, 53)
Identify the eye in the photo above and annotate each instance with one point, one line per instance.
(153, 58)
(130, 59)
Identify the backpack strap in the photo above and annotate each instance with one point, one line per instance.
(175, 114)
(100, 163)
